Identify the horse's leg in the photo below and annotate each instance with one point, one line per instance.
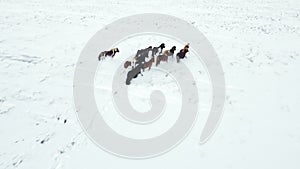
(177, 58)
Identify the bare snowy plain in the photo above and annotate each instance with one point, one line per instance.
(257, 43)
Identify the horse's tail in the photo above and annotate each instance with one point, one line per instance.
(99, 57)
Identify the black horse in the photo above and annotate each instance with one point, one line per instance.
(141, 55)
(134, 73)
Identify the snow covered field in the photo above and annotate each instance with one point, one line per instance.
(258, 45)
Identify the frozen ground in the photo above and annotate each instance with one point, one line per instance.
(257, 42)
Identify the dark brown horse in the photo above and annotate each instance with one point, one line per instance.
(181, 54)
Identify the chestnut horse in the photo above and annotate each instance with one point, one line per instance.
(148, 64)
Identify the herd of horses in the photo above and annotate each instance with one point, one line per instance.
(139, 63)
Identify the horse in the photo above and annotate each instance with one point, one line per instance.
(181, 54)
(148, 64)
(165, 55)
(155, 49)
(134, 73)
(110, 53)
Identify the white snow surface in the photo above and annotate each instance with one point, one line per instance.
(256, 41)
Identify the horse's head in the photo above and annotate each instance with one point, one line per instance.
(187, 46)
(115, 50)
(162, 46)
(172, 50)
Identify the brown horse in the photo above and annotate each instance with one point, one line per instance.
(148, 64)
(161, 58)
(165, 56)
